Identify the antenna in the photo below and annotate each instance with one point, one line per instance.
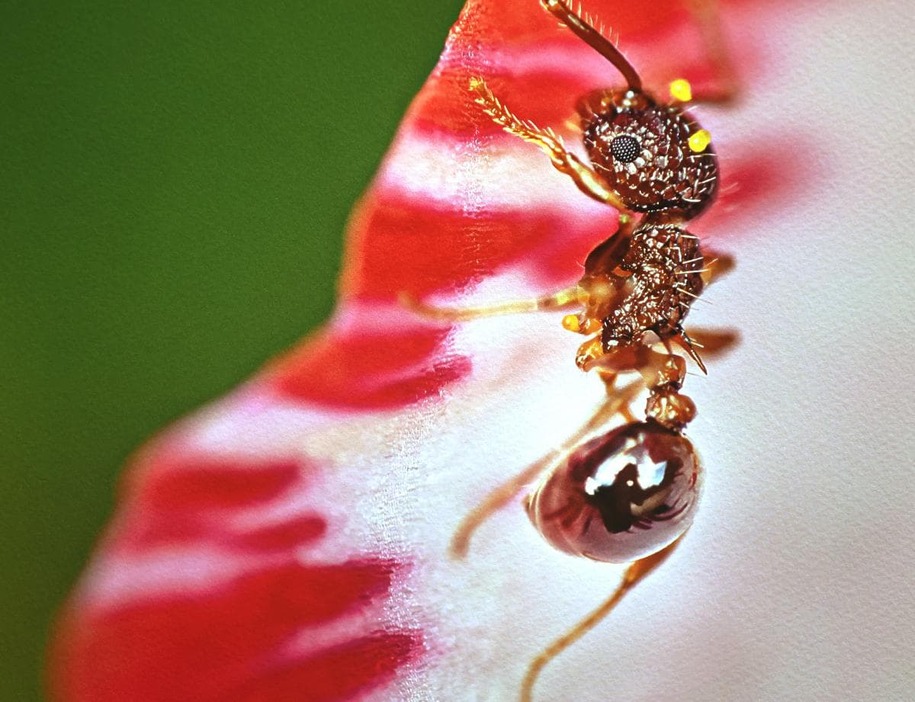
(596, 40)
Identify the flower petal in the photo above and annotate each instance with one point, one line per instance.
(289, 541)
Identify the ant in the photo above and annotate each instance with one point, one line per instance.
(627, 495)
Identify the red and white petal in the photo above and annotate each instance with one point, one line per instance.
(289, 541)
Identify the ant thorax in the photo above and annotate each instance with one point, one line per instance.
(662, 261)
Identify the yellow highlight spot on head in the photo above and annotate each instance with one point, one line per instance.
(570, 323)
(681, 90)
(699, 141)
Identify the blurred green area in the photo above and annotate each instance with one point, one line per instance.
(174, 183)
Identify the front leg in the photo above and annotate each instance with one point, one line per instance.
(587, 180)
(554, 301)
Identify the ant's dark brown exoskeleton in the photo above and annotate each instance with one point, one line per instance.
(629, 494)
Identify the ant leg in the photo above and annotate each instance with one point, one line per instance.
(619, 359)
(687, 344)
(587, 180)
(502, 496)
(600, 262)
(634, 574)
(554, 301)
(715, 265)
(588, 353)
(714, 342)
(708, 19)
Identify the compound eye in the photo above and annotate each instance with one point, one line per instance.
(625, 148)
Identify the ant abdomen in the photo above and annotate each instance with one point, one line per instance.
(656, 157)
(621, 496)
(664, 266)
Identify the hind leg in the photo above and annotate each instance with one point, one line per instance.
(617, 402)
(634, 574)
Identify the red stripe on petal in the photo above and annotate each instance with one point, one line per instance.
(361, 363)
(336, 674)
(420, 249)
(757, 177)
(211, 640)
(198, 482)
(204, 584)
(521, 21)
(539, 68)
(182, 497)
(542, 92)
(292, 533)
(408, 246)
(162, 530)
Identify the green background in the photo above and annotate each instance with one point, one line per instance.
(174, 183)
